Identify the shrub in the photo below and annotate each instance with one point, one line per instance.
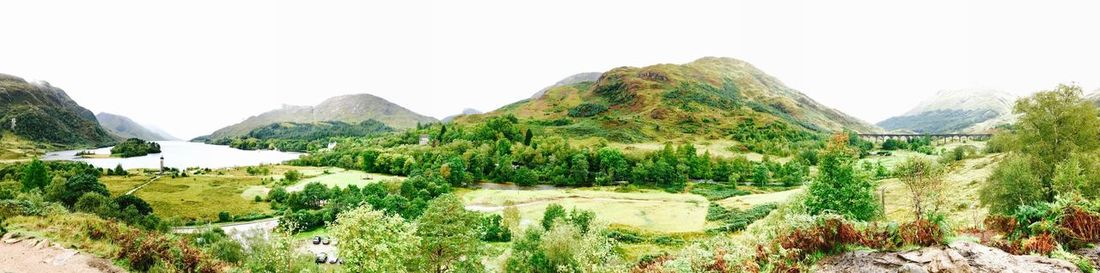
(587, 110)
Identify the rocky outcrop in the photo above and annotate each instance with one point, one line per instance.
(956, 257)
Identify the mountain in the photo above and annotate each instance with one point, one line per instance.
(348, 108)
(712, 98)
(467, 111)
(956, 111)
(45, 114)
(124, 127)
(574, 79)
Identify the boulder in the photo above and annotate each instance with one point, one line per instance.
(955, 257)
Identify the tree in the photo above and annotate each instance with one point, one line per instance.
(760, 175)
(34, 175)
(923, 178)
(494, 229)
(56, 189)
(1053, 125)
(1078, 175)
(80, 184)
(371, 241)
(578, 170)
(527, 137)
(449, 240)
(1012, 184)
(119, 170)
(292, 176)
(553, 212)
(95, 203)
(838, 187)
(129, 200)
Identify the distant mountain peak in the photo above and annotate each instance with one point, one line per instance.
(467, 111)
(573, 79)
(125, 127)
(350, 108)
(956, 110)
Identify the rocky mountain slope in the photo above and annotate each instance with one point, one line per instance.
(348, 108)
(956, 111)
(124, 127)
(574, 79)
(45, 114)
(712, 98)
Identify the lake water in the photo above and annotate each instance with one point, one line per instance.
(182, 154)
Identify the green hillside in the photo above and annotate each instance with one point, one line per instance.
(44, 113)
(710, 98)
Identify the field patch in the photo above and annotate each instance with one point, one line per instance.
(648, 210)
(197, 197)
(343, 178)
(748, 201)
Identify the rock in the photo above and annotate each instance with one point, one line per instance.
(911, 268)
(956, 257)
(1093, 254)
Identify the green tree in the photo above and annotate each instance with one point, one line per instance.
(80, 184)
(292, 176)
(35, 175)
(119, 170)
(129, 200)
(553, 212)
(95, 203)
(760, 175)
(56, 189)
(923, 178)
(1054, 124)
(578, 170)
(371, 241)
(1012, 184)
(527, 137)
(839, 187)
(449, 239)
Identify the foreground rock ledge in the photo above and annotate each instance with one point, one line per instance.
(955, 257)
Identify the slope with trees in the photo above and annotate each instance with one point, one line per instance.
(45, 114)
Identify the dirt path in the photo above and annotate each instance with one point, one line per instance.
(142, 185)
(32, 255)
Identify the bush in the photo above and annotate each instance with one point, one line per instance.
(587, 110)
(223, 216)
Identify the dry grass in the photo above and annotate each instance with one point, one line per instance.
(647, 210)
(962, 206)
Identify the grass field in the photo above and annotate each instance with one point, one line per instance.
(649, 210)
(343, 178)
(13, 148)
(198, 197)
(749, 201)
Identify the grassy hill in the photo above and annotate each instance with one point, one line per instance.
(44, 113)
(710, 98)
(348, 108)
(124, 127)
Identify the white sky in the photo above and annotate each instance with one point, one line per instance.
(191, 67)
